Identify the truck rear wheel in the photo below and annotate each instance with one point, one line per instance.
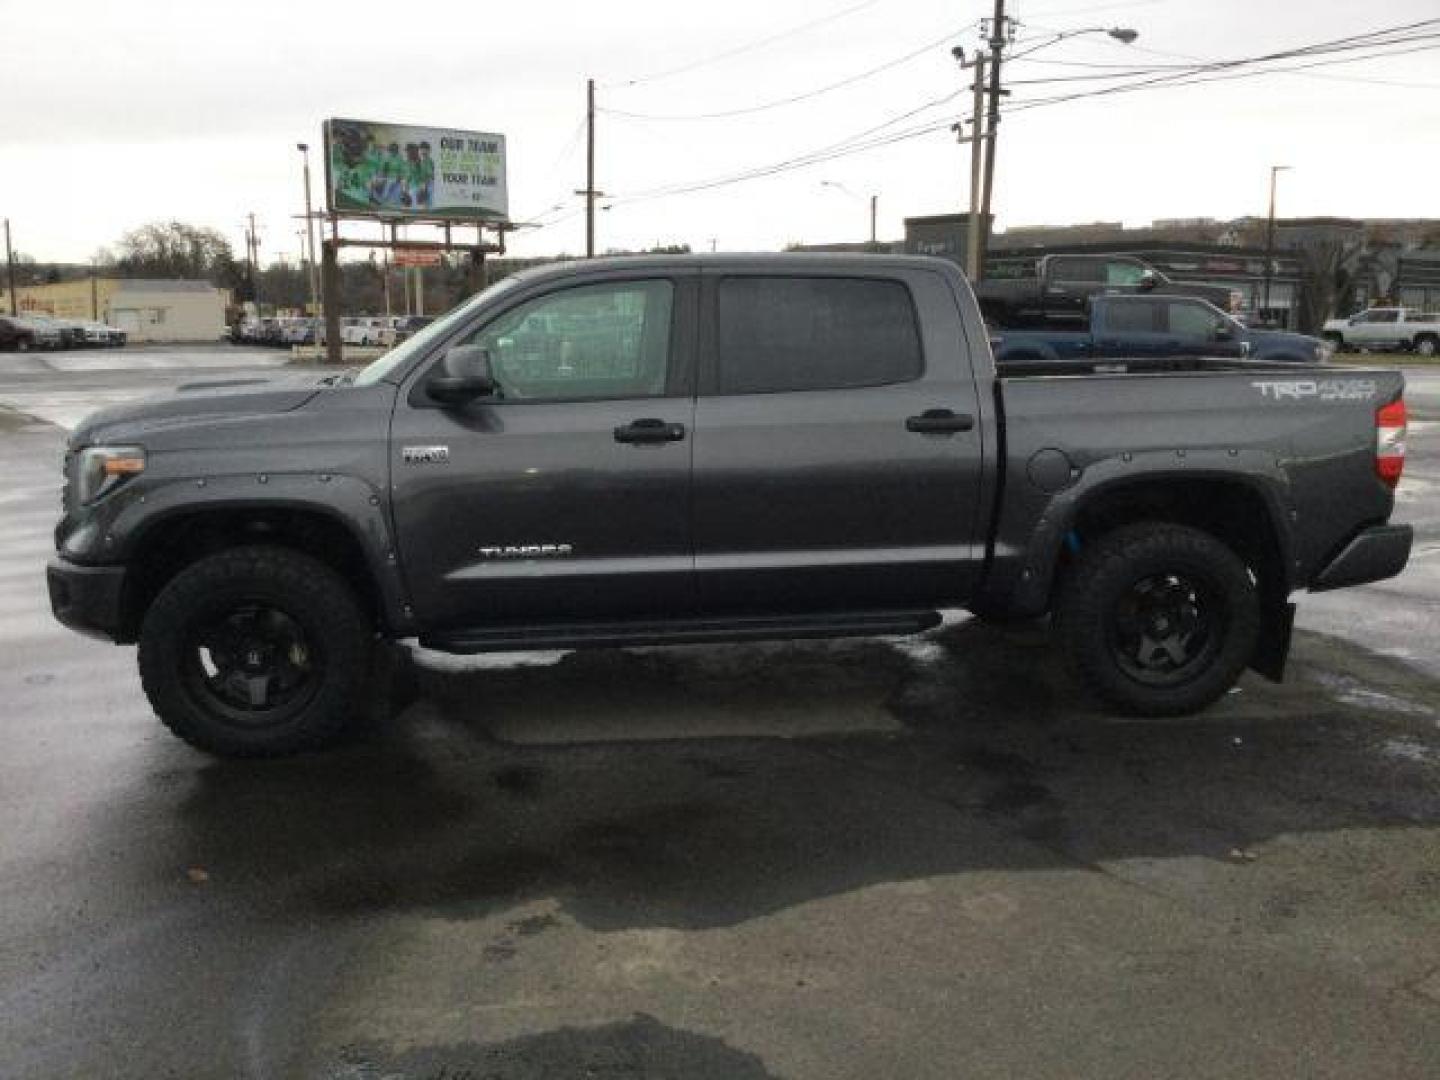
(1427, 344)
(1159, 619)
(256, 652)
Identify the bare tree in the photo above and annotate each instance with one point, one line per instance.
(1327, 269)
(175, 249)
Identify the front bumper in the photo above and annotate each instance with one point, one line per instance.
(1373, 554)
(89, 599)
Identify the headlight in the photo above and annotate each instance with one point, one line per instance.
(101, 469)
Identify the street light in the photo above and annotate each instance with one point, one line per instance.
(997, 33)
(304, 149)
(1270, 240)
(874, 202)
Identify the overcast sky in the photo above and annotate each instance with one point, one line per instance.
(121, 113)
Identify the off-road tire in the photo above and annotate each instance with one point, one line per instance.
(1109, 569)
(313, 595)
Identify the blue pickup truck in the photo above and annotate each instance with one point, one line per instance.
(1156, 326)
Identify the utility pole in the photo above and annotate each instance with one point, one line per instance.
(977, 154)
(590, 193)
(254, 242)
(385, 278)
(998, 27)
(874, 212)
(330, 290)
(10, 265)
(1270, 242)
(310, 233)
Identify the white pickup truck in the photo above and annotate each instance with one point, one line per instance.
(1386, 328)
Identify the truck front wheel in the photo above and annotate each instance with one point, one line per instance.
(1159, 619)
(256, 652)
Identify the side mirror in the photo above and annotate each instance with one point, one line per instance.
(465, 374)
(1148, 281)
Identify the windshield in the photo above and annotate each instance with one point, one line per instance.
(401, 354)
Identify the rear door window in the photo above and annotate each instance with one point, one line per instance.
(815, 333)
(1191, 321)
(1130, 316)
(1123, 272)
(1077, 269)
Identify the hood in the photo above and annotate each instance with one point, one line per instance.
(211, 398)
(1284, 345)
(1269, 339)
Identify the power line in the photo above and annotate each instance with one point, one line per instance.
(565, 151)
(1205, 61)
(860, 142)
(806, 96)
(742, 49)
(1198, 75)
(1181, 72)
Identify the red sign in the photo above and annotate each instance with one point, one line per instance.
(412, 256)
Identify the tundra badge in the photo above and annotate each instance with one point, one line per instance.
(425, 455)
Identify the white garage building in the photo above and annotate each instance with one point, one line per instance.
(166, 310)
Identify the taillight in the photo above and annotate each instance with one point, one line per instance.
(1390, 442)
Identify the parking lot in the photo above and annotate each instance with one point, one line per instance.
(870, 858)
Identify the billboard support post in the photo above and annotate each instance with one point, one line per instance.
(330, 297)
(10, 268)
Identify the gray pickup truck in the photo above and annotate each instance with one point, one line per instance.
(684, 449)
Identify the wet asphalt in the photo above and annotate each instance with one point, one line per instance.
(875, 858)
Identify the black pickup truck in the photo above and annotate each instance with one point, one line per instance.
(1059, 293)
(685, 449)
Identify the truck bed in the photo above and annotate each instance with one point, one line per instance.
(1304, 441)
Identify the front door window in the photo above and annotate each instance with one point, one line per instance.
(588, 343)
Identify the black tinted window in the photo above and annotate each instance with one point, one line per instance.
(1077, 269)
(794, 333)
(1194, 321)
(1130, 316)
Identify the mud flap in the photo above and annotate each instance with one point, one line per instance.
(1273, 649)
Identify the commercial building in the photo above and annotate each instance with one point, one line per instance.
(154, 311)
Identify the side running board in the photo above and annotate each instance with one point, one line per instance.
(680, 631)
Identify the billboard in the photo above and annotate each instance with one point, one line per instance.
(394, 170)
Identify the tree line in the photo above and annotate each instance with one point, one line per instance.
(178, 249)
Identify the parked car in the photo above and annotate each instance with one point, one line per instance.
(72, 333)
(1064, 284)
(269, 332)
(407, 325)
(1386, 329)
(730, 448)
(299, 331)
(44, 333)
(16, 335)
(1156, 326)
(364, 330)
(102, 335)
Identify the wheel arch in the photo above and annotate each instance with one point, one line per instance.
(1237, 508)
(174, 541)
(1232, 509)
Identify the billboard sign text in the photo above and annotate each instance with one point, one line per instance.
(400, 171)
